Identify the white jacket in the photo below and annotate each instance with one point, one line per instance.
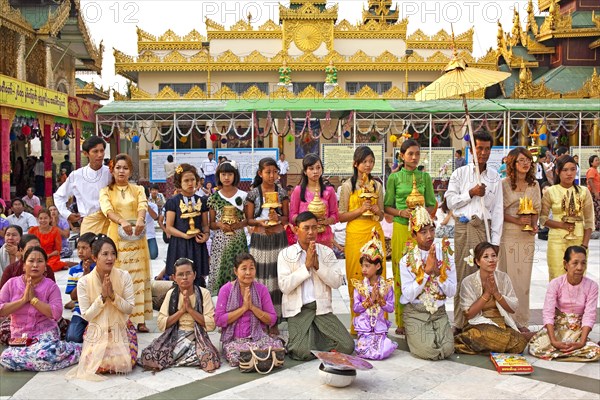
(292, 273)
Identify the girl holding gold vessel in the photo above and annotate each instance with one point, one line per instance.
(399, 189)
(361, 205)
(312, 195)
(228, 222)
(266, 209)
(522, 205)
(572, 214)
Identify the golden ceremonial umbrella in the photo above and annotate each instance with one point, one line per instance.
(459, 80)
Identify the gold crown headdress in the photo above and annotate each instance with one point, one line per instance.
(419, 218)
(373, 249)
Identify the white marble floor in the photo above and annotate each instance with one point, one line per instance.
(399, 377)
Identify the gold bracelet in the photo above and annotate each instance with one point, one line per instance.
(34, 301)
(484, 299)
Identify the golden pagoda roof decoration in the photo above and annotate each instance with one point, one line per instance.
(56, 20)
(441, 40)
(91, 90)
(148, 61)
(243, 30)
(591, 88)
(508, 52)
(169, 41)
(381, 11)
(527, 89)
(14, 20)
(545, 4)
(372, 29)
(308, 11)
(532, 25)
(559, 25)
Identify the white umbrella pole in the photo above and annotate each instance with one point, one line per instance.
(478, 172)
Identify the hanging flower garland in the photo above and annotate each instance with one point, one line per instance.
(419, 131)
(288, 125)
(112, 130)
(235, 131)
(208, 125)
(146, 131)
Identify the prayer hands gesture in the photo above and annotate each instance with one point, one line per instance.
(490, 287)
(375, 293)
(127, 226)
(187, 304)
(312, 258)
(107, 288)
(28, 294)
(247, 304)
(431, 265)
(86, 266)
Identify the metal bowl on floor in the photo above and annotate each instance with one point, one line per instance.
(336, 377)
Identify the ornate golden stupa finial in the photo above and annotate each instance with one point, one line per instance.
(500, 36)
(415, 198)
(317, 207)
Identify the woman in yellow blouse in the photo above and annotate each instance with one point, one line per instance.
(351, 210)
(562, 196)
(125, 205)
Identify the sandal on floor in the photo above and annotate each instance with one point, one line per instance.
(142, 328)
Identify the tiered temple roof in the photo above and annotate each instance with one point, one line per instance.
(556, 55)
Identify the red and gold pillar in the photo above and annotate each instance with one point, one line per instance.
(47, 154)
(77, 127)
(6, 119)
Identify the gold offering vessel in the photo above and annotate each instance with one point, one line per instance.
(272, 202)
(368, 193)
(415, 198)
(526, 208)
(317, 207)
(571, 206)
(191, 210)
(229, 217)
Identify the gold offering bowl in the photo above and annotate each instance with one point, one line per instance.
(229, 217)
(526, 208)
(317, 207)
(415, 198)
(571, 220)
(272, 202)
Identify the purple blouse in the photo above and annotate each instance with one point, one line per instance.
(580, 299)
(28, 319)
(64, 224)
(329, 198)
(243, 327)
(362, 320)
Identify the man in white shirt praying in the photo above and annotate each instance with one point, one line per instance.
(209, 168)
(307, 272)
(463, 197)
(284, 167)
(85, 184)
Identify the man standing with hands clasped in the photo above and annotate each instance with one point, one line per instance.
(464, 199)
(307, 271)
(85, 184)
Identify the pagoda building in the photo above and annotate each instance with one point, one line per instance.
(373, 59)
(555, 56)
(45, 111)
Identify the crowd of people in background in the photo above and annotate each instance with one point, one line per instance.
(268, 256)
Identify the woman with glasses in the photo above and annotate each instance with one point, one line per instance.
(187, 313)
(106, 300)
(517, 246)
